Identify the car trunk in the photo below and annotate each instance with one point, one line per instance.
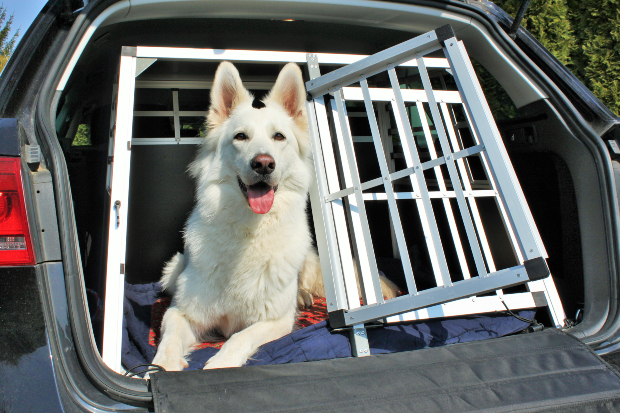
(161, 193)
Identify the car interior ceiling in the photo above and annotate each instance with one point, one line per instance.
(553, 168)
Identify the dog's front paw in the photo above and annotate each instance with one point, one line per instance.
(223, 362)
(170, 363)
(304, 299)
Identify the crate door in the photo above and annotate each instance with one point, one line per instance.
(446, 178)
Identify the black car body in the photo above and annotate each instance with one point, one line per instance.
(49, 355)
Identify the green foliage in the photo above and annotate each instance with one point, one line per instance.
(7, 42)
(548, 21)
(597, 53)
(82, 136)
(583, 35)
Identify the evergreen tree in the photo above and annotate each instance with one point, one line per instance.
(597, 54)
(583, 35)
(7, 42)
(548, 21)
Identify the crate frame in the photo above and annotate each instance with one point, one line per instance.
(135, 59)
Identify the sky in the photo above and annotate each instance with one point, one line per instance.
(24, 11)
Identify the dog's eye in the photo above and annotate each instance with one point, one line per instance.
(241, 136)
(278, 136)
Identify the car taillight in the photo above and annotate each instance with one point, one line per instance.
(15, 242)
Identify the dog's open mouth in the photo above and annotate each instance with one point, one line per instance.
(260, 195)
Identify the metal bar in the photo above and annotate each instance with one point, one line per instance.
(508, 186)
(456, 239)
(117, 238)
(355, 226)
(433, 163)
(383, 121)
(196, 84)
(166, 141)
(374, 64)
(168, 113)
(322, 214)
(474, 305)
(359, 341)
(175, 108)
(518, 18)
(403, 173)
(472, 202)
(432, 194)
(434, 296)
(389, 191)
(365, 251)
(418, 183)
(258, 56)
(112, 132)
(554, 303)
(505, 219)
(340, 249)
(409, 95)
(456, 183)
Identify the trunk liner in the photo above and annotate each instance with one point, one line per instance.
(531, 372)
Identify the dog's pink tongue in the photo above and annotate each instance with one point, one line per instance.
(261, 198)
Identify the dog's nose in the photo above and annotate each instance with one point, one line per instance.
(263, 164)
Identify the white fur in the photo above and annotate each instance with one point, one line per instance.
(243, 274)
(240, 271)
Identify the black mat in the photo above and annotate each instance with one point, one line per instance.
(546, 371)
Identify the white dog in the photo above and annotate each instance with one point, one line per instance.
(248, 254)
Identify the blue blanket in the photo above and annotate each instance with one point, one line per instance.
(316, 342)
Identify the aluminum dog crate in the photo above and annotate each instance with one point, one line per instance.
(338, 197)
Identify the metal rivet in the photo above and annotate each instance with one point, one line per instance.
(351, 318)
(450, 44)
(531, 250)
(386, 178)
(448, 158)
(417, 167)
(357, 188)
(518, 275)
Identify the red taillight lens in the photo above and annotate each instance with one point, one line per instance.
(15, 243)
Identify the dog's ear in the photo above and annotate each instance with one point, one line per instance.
(290, 93)
(226, 94)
